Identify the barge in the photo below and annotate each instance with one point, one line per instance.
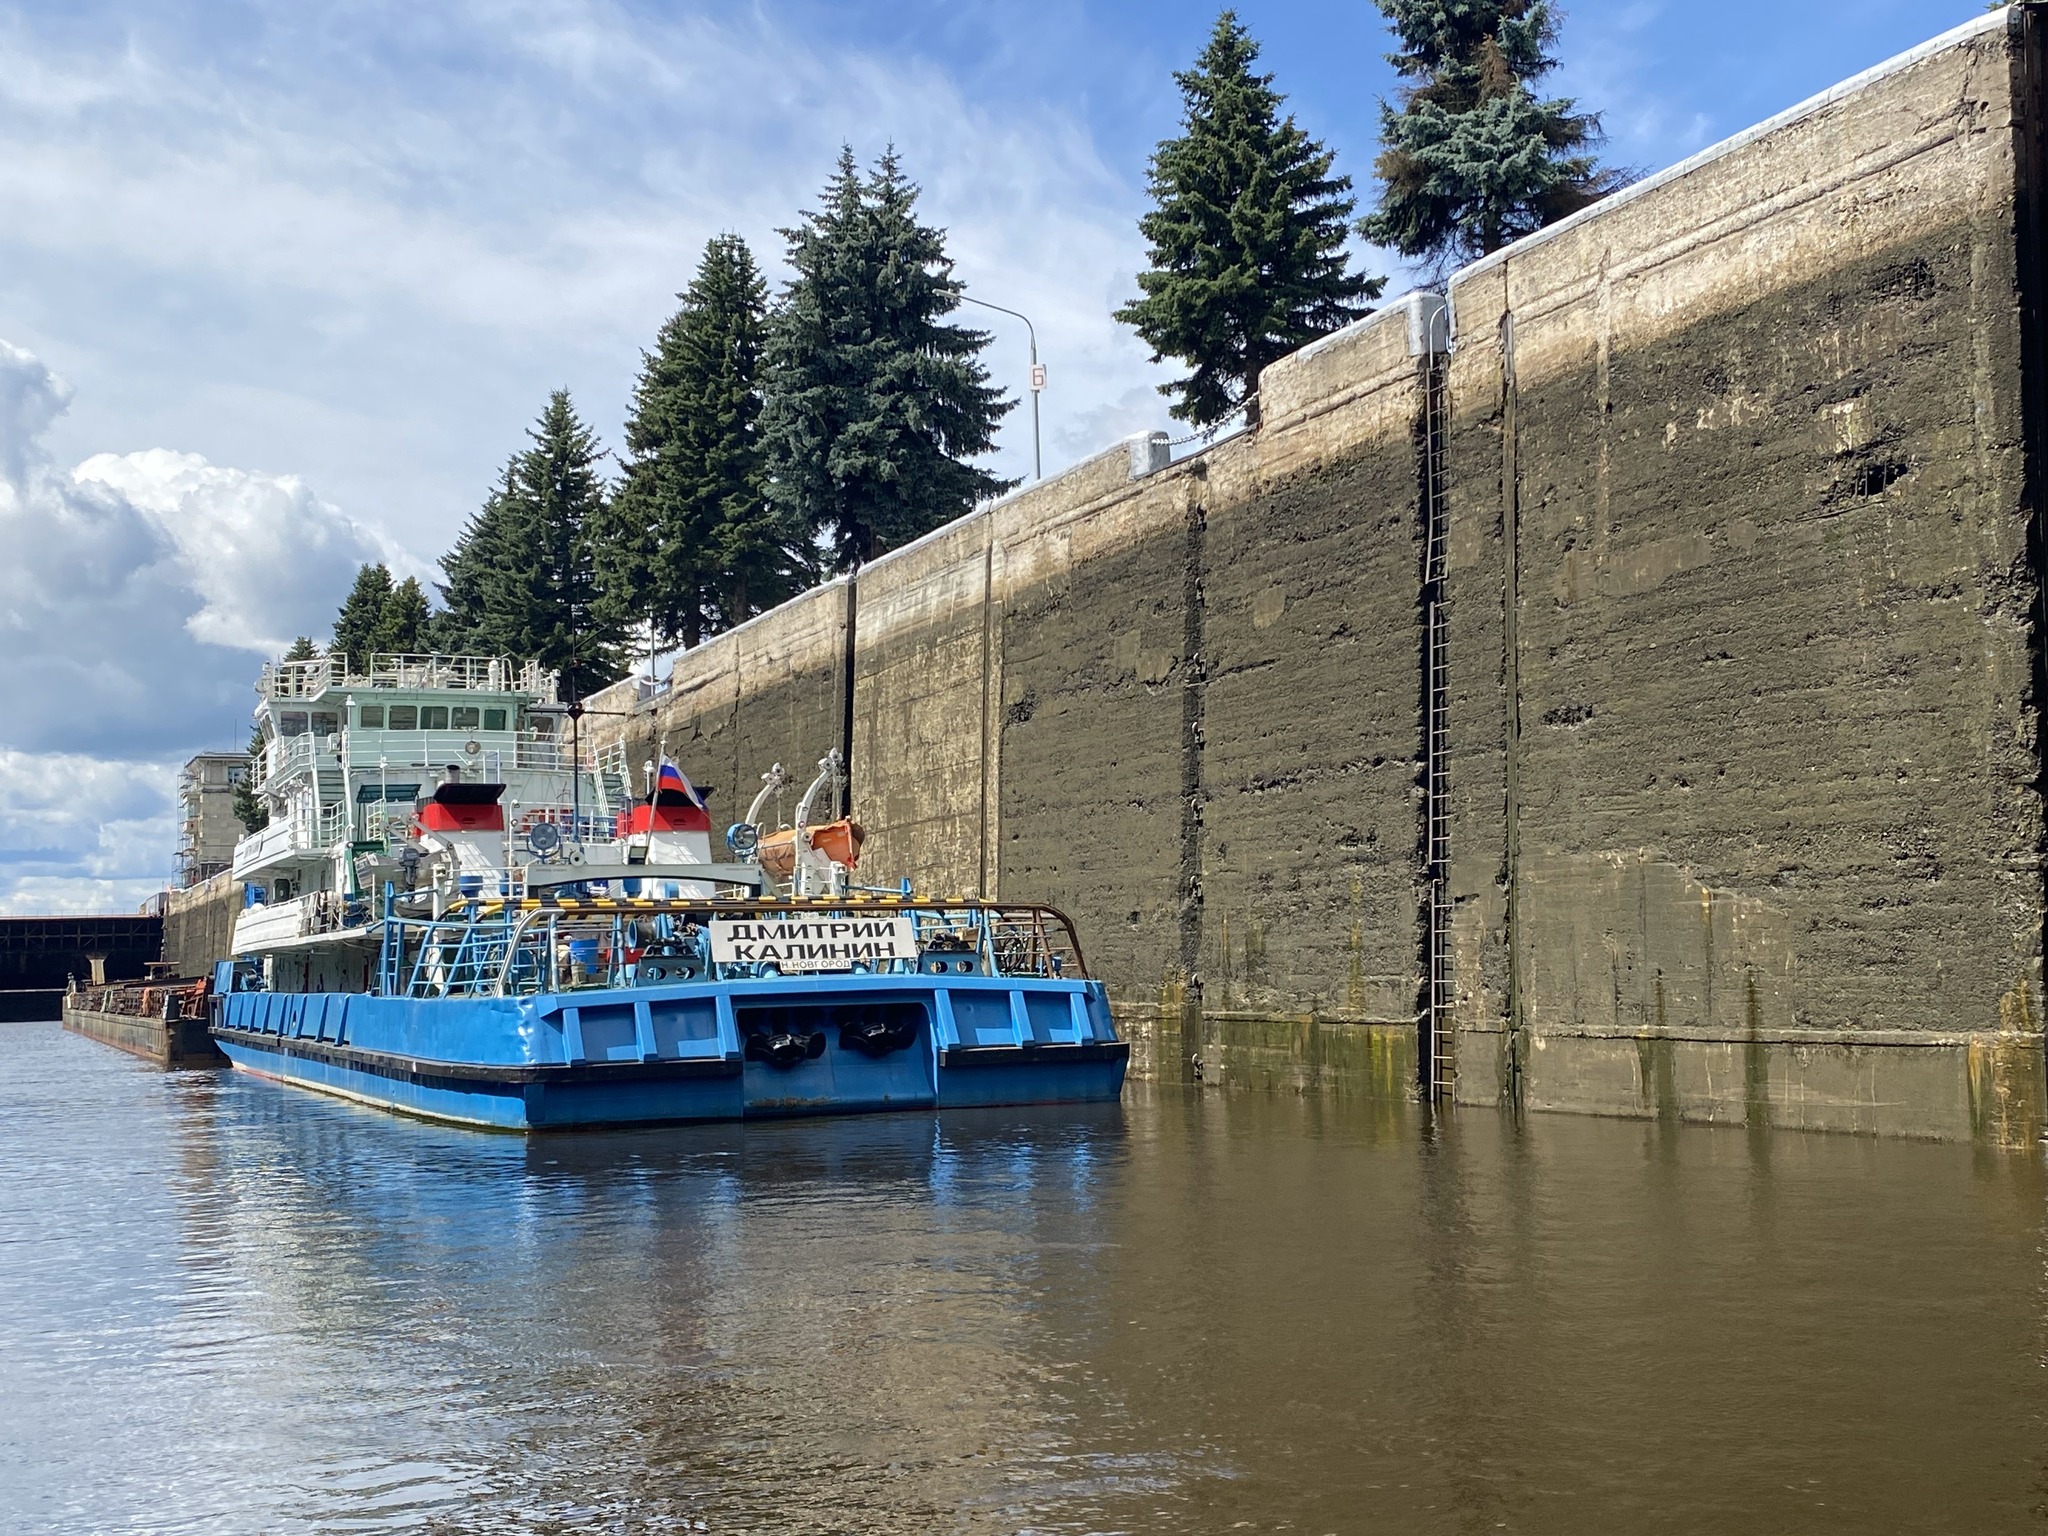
(164, 1023)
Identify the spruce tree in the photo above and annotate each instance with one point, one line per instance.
(405, 623)
(540, 598)
(691, 541)
(874, 406)
(355, 626)
(472, 568)
(762, 551)
(1247, 236)
(249, 811)
(1471, 159)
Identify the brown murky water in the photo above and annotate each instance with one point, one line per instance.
(229, 1306)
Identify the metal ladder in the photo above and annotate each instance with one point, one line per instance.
(614, 778)
(1436, 1059)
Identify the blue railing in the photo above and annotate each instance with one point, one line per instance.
(489, 948)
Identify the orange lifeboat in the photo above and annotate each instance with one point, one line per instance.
(838, 840)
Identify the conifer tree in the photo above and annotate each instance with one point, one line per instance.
(1471, 159)
(691, 541)
(249, 811)
(471, 567)
(539, 583)
(405, 622)
(355, 626)
(874, 405)
(1247, 236)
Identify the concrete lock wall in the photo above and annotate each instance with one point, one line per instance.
(1745, 454)
(771, 691)
(1731, 694)
(199, 925)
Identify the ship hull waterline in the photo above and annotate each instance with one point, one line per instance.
(636, 1056)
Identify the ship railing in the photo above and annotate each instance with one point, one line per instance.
(592, 826)
(1031, 941)
(334, 823)
(609, 770)
(485, 753)
(301, 679)
(453, 959)
(288, 756)
(388, 822)
(520, 947)
(285, 835)
(484, 674)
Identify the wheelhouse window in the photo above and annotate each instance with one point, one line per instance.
(433, 717)
(371, 717)
(325, 725)
(494, 719)
(292, 723)
(405, 717)
(462, 717)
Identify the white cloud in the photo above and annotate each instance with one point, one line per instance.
(370, 262)
(265, 555)
(140, 589)
(138, 593)
(78, 834)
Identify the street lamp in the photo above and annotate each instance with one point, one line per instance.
(1037, 375)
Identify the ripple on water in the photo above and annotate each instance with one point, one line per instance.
(229, 1306)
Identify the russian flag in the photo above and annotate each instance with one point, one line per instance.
(672, 780)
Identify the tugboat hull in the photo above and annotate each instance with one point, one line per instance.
(718, 1051)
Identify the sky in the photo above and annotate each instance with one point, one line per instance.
(283, 282)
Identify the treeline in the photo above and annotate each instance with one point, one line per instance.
(773, 442)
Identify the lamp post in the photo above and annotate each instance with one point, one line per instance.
(1037, 375)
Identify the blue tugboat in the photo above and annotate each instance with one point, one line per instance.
(455, 914)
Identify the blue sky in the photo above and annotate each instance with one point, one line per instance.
(281, 284)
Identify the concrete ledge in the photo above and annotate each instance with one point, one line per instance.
(1256, 1051)
(1364, 356)
(1989, 1088)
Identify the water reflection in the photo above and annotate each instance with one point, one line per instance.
(229, 1306)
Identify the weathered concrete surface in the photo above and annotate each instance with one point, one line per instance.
(1744, 790)
(1756, 438)
(1302, 1054)
(1094, 805)
(770, 691)
(926, 666)
(1976, 1086)
(1311, 721)
(199, 923)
